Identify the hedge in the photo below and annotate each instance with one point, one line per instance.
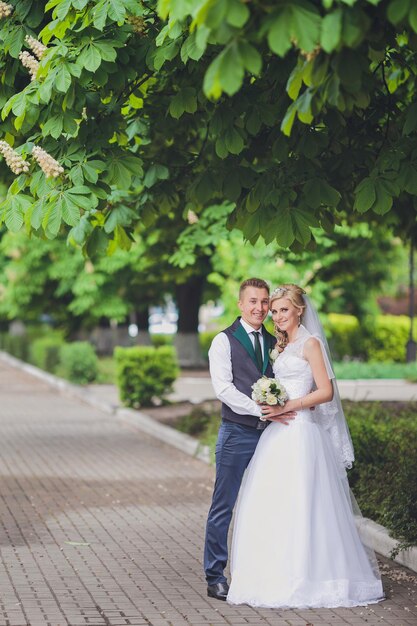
(78, 362)
(382, 338)
(145, 374)
(45, 351)
(384, 476)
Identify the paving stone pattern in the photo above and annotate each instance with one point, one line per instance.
(103, 525)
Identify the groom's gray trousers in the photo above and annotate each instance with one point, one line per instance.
(235, 446)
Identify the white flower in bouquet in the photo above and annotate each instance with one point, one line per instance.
(271, 399)
(273, 355)
(269, 391)
(264, 383)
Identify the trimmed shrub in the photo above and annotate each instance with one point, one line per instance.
(16, 345)
(384, 476)
(386, 340)
(344, 336)
(205, 341)
(79, 362)
(382, 338)
(145, 374)
(45, 352)
(161, 340)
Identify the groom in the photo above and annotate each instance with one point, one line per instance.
(238, 357)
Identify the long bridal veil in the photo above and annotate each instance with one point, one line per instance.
(331, 416)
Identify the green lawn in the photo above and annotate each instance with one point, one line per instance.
(355, 369)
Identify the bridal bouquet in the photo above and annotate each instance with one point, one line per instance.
(269, 391)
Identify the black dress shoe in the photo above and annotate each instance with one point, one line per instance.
(218, 591)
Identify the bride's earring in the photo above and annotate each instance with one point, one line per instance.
(299, 320)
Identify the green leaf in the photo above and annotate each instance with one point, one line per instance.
(15, 207)
(306, 23)
(233, 141)
(119, 215)
(117, 11)
(38, 211)
(410, 177)
(331, 30)
(251, 59)
(97, 243)
(191, 50)
(62, 79)
(284, 229)
(410, 123)
(252, 201)
(14, 43)
(81, 197)
(121, 238)
(212, 82)
(106, 50)
(413, 17)
(155, 173)
(53, 126)
(295, 80)
(289, 117)
(89, 172)
(118, 174)
(70, 210)
(365, 195)
(90, 58)
(134, 164)
(237, 13)
(221, 149)
(231, 70)
(63, 8)
(184, 101)
(100, 14)
(279, 35)
(302, 224)
(251, 227)
(397, 10)
(80, 233)
(383, 201)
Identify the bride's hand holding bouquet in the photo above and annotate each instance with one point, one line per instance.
(273, 398)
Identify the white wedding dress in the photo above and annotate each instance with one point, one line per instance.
(295, 541)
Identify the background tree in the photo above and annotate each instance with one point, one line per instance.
(296, 113)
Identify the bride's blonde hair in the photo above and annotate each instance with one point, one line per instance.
(294, 293)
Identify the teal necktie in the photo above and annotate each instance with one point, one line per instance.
(258, 350)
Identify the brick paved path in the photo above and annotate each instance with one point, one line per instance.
(102, 525)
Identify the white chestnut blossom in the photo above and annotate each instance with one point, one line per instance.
(49, 166)
(192, 218)
(29, 61)
(5, 9)
(138, 23)
(36, 46)
(16, 163)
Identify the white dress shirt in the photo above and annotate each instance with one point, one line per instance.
(222, 375)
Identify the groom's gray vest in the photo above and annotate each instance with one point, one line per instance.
(244, 368)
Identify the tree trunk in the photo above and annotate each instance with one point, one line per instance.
(188, 296)
(141, 318)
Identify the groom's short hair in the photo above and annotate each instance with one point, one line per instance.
(253, 282)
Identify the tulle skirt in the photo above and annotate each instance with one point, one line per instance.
(295, 541)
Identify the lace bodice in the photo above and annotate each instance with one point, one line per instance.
(294, 372)
(292, 369)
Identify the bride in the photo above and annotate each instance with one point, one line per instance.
(295, 541)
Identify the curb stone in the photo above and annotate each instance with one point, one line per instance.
(373, 534)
